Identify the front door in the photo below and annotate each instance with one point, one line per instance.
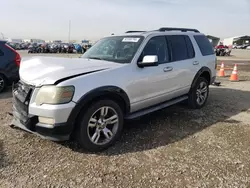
(152, 85)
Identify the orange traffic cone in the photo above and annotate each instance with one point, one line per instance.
(222, 72)
(234, 75)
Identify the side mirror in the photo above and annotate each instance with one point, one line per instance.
(149, 61)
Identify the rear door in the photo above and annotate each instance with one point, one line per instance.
(184, 62)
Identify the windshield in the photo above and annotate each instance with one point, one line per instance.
(119, 49)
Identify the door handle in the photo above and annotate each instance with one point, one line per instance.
(195, 63)
(167, 69)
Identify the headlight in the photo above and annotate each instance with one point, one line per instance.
(54, 95)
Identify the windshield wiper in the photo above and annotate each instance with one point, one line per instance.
(98, 58)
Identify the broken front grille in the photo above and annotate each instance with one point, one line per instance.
(21, 98)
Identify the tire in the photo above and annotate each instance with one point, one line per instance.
(91, 135)
(2, 83)
(197, 91)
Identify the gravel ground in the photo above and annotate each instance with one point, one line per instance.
(175, 147)
(237, 55)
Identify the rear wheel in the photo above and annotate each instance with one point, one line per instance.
(2, 83)
(198, 95)
(100, 125)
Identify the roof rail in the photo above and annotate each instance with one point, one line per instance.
(135, 31)
(178, 29)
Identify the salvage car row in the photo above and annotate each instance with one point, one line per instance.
(58, 48)
(51, 47)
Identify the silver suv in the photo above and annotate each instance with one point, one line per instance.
(120, 77)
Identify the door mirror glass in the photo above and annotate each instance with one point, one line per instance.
(148, 61)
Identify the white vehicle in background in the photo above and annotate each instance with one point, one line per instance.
(248, 48)
(120, 77)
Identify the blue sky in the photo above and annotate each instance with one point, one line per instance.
(49, 19)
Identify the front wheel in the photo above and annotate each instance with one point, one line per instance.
(100, 125)
(198, 95)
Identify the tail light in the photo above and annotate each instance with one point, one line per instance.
(17, 55)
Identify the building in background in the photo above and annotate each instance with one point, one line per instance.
(49, 41)
(57, 41)
(238, 40)
(34, 41)
(14, 40)
(85, 42)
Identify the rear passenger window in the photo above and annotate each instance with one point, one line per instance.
(190, 47)
(178, 47)
(204, 45)
(156, 46)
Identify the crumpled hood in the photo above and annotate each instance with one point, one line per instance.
(47, 70)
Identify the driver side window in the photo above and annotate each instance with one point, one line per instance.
(156, 46)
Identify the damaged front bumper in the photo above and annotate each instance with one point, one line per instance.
(21, 118)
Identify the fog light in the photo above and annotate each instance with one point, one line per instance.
(46, 120)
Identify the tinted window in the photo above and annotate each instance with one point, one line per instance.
(1, 53)
(190, 47)
(204, 45)
(178, 47)
(156, 46)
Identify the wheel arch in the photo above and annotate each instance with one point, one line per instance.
(106, 92)
(203, 72)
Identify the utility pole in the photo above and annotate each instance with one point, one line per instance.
(69, 29)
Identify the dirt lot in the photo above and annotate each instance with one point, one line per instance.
(175, 147)
(238, 54)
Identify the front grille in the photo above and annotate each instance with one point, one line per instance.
(21, 97)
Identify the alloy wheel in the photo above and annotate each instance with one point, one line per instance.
(201, 93)
(103, 125)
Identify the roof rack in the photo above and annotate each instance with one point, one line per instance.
(178, 29)
(135, 31)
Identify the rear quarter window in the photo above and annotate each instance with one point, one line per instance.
(204, 45)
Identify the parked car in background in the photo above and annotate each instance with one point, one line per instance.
(78, 48)
(244, 46)
(70, 48)
(35, 48)
(248, 48)
(120, 77)
(238, 46)
(24, 46)
(9, 65)
(54, 48)
(64, 47)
